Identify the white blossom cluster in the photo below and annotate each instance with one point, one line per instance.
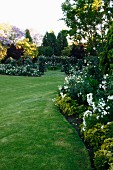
(102, 108)
(8, 69)
(103, 84)
(75, 78)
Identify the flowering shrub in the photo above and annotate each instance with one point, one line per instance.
(30, 49)
(9, 34)
(101, 108)
(23, 70)
(94, 92)
(3, 51)
(79, 85)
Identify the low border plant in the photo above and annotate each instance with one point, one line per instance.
(94, 93)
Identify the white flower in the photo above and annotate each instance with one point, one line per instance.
(94, 107)
(105, 76)
(104, 112)
(67, 80)
(62, 95)
(103, 82)
(65, 87)
(60, 87)
(97, 117)
(102, 86)
(108, 107)
(79, 94)
(101, 102)
(89, 98)
(109, 123)
(87, 113)
(102, 126)
(110, 97)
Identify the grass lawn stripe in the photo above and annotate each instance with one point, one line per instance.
(33, 134)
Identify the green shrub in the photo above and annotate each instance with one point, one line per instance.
(103, 158)
(67, 105)
(42, 61)
(91, 121)
(106, 57)
(96, 135)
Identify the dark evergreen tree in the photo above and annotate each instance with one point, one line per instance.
(61, 41)
(46, 51)
(27, 35)
(50, 40)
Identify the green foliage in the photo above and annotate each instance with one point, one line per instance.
(67, 105)
(84, 18)
(52, 45)
(106, 57)
(46, 51)
(50, 41)
(104, 157)
(80, 83)
(28, 61)
(66, 51)
(65, 64)
(61, 41)
(93, 67)
(41, 60)
(11, 61)
(97, 134)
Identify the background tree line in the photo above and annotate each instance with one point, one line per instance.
(52, 44)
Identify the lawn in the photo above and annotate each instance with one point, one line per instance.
(33, 133)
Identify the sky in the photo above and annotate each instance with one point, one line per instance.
(39, 16)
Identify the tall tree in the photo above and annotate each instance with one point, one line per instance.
(88, 19)
(61, 41)
(27, 35)
(106, 57)
(49, 40)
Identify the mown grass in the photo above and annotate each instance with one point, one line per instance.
(33, 134)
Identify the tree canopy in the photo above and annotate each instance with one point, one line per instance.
(52, 44)
(62, 41)
(88, 19)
